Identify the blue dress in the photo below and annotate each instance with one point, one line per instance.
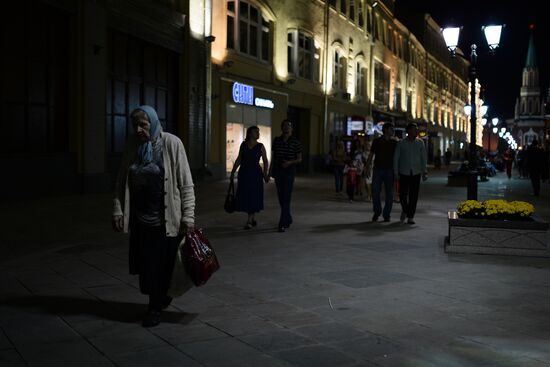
(250, 185)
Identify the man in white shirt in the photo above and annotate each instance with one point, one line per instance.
(409, 162)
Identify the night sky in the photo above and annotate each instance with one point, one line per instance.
(500, 75)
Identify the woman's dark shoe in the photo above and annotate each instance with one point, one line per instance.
(248, 226)
(151, 318)
(254, 223)
(166, 302)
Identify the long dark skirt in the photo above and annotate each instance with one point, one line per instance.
(250, 189)
(152, 256)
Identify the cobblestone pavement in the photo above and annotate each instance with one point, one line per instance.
(334, 290)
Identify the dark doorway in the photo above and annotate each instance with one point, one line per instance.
(139, 73)
(34, 79)
(300, 118)
(35, 153)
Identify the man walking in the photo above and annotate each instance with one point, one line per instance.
(448, 156)
(383, 150)
(535, 165)
(409, 162)
(287, 153)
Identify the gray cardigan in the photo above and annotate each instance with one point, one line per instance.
(179, 195)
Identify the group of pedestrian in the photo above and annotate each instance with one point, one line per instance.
(532, 163)
(446, 157)
(155, 202)
(404, 160)
(287, 153)
(535, 165)
(351, 169)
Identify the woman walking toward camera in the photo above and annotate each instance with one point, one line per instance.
(250, 186)
(154, 201)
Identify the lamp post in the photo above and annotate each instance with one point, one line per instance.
(451, 35)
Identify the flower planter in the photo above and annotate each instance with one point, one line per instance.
(497, 237)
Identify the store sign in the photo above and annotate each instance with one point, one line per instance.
(262, 102)
(357, 126)
(244, 94)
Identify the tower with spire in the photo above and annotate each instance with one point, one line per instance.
(529, 116)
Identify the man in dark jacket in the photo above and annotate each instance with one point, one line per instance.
(535, 165)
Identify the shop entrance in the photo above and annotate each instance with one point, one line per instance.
(240, 118)
(139, 73)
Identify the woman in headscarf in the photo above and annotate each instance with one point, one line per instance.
(155, 202)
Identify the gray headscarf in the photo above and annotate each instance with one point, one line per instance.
(145, 150)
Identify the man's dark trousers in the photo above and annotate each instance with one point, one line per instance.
(535, 181)
(382, 176)
(284, 180)
(408, 193)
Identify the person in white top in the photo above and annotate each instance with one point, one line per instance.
(409, 161)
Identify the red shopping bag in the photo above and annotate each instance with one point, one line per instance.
(199, 257)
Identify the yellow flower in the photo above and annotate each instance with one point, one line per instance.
(495, 208)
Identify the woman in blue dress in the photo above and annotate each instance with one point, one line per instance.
(250, 187)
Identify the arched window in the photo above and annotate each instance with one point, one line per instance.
(381, 83)
(247, 30)
(360, 79)
(397, 94)
(303, 56)
(339, 71)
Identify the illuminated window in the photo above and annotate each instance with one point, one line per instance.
(397, 98)
(376, 27)
(369, 19)
(247, 30)
(360, 16)
(339, 71)
(381, 84)
(360, 79)
(303, 56)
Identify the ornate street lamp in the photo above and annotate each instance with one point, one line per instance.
(451, 35)
(494, 123)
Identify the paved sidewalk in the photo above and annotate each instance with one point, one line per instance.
(334, 290)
